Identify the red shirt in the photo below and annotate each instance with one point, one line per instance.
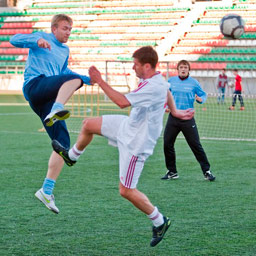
(238, 83)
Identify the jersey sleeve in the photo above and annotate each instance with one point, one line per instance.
(200, 92)
(26, 40)
(142, 96)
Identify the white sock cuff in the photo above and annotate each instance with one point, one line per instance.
(154, 214)
(156, 218)
(77, 151)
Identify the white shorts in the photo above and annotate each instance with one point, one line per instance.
(130, 166)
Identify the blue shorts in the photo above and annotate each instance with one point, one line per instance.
(42, 92)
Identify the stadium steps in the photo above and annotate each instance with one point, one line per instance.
(205, 47)
(105, 28)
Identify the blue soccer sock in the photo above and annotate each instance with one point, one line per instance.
(56, 106)
(48, 186)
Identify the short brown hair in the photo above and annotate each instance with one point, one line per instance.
(183, 62)
(59, 17)
(145, 55)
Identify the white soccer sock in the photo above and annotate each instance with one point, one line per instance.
(75, 153)
(156, 217)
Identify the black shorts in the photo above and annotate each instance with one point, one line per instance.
(42, 92)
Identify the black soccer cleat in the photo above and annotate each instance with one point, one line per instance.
(209, 176)
(170, 176)
(158, 232)
(63, 152)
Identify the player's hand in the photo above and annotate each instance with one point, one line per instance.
(198, 99)
(185, 114)
(42, 43)
(92, 82)
(95, 75)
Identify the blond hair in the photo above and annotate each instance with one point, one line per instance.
(59, 17)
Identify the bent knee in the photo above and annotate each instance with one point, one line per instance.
(86, 125)
(124, 192)
(78, 82)
(92, 125)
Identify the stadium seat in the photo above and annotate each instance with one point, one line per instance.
(113, 29)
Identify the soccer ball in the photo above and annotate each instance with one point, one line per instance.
(232, 26)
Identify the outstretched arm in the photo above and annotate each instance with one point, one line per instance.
(118, 98)
(181, 114)
(33, 40)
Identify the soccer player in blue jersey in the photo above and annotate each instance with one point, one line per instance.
(48, 84)
(185, 91)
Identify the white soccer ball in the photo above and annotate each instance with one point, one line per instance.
(232, 26)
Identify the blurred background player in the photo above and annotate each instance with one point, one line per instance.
(48, 84)
(221, 82)
(238, 91)
(136, 135)
(185, 91)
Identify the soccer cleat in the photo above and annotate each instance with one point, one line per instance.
(63, 152)
(47, 200)
(231, 108)
(54, 116)
(170, 176)
(209, 176)
(242, 108)
(158, 232)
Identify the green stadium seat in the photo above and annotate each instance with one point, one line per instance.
(5, 38)
(17, 13)
(248, 36)
(11, 64)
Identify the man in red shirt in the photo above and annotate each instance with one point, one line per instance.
(238, 91)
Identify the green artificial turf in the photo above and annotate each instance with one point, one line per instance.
(208, 218)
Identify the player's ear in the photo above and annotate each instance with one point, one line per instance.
(54, 28)
(147, 66)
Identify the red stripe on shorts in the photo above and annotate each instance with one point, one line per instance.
(130, 173)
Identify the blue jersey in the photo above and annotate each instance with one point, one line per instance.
(43, 61)
(184, 92)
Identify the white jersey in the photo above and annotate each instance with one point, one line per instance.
(140, 131)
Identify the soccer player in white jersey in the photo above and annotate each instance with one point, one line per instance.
(136, 135)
